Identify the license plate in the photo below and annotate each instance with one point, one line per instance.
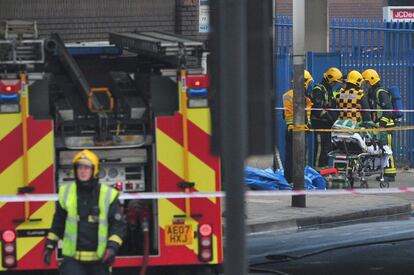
(178, 234)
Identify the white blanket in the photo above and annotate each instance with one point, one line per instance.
(350, 138)
(383, 160)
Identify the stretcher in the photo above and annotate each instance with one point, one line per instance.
(358, 156)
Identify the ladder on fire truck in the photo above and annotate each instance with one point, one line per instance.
(185, 56)
(173, 49)
(20, 43)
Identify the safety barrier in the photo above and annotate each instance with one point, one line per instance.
(304, 128)
(353, 110)
(379, 129)
(195, 195)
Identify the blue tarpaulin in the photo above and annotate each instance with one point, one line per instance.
(267, 179)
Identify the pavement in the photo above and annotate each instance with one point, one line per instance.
(276, 213)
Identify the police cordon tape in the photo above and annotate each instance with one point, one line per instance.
(305, 128)
(353, 110)
(195, 195)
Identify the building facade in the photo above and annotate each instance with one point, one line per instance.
(82, 20)
(369, 9)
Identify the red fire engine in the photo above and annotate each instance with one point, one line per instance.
(140, 101)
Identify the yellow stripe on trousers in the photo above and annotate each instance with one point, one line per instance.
(391, 169)
(318, 151)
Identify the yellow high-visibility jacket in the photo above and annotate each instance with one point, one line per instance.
(288, 105)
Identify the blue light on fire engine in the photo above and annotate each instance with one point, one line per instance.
(14, 97)
(197, 92)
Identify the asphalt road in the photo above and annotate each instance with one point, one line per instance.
(370, 248)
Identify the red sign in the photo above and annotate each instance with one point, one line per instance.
(399, 14)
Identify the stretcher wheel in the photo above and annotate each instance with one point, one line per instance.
(385, 184)
(364, 184)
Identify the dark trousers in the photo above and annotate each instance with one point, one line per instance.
(71, 266)
(288, 155)
(322, 144)
(322, 147)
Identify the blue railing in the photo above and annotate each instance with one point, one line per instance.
(283, 36)
(361, 44)
(360, 37)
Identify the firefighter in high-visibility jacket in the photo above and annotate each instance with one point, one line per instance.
(352, 99)
(89, 220)
(380, 98)
(288, 117)
(323, 97)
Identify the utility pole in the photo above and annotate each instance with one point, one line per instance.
(299, 102)
(276, 157)
(230, 34)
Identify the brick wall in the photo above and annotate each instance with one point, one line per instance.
(371, 9)
(341, 8)
(81, 20)
(187, 19)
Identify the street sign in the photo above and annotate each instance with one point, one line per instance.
(204, 16)
(398, 13)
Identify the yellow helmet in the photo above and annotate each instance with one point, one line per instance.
(371, 76)
(333, 75)
(87, 157)
(355, 77)
(308, 78)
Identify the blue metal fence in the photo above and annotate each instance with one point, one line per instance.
(361, 44)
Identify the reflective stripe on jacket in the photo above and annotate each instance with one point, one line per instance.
(68, 201)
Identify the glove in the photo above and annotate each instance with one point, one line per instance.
(47, 255)
(109, 257)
